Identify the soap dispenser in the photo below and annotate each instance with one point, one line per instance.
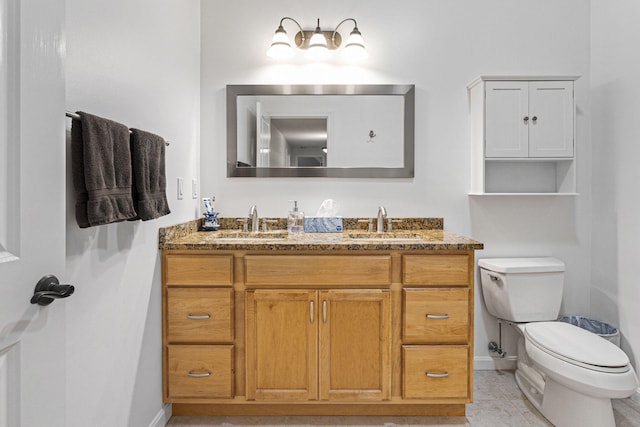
(295, 219)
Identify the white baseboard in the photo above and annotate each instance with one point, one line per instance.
(162, 417)
(488, 363)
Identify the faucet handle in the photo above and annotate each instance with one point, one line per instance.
(245, 225)
(370, 222)
(265, 222)
(390, 223)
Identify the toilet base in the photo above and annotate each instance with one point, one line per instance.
(560, 405)
(567, 408)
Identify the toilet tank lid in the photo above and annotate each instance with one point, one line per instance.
(522, 265)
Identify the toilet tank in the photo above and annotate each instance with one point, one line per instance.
(522, 289)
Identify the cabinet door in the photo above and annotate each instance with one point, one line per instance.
(551, 119)
(355, 346)
(506, 119)
(282, 345)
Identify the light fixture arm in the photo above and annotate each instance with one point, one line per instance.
(355, 28)
(299, 26)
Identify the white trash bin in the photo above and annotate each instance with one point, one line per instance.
(605, 330)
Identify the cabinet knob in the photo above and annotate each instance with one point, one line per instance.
(526, 119)
(534, 118)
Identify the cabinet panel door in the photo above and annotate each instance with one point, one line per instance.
(282, 345)
(433, 372)
(200, 371)
(437, 315)
(199, 315)
(551, 123)
(436, 270)
(355, 345)
(198, 270)
(302, 270)
(506, 113)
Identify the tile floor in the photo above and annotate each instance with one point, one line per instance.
(497, 403)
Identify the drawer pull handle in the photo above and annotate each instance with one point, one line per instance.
(443, 375)
(437, 316)
(192, 317)
(324, 311)
(311, 314)
(203, 375)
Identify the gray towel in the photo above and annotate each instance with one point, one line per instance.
(101, 170)
(149, 180)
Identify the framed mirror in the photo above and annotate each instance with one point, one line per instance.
(343, 131)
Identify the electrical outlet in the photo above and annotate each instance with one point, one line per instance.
(194, 188)
(180, 188)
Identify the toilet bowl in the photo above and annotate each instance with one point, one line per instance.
(569, 374)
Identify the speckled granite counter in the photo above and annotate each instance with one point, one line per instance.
(409, 234)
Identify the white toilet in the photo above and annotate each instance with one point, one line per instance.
(569, 374)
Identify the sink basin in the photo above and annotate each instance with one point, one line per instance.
(245, 235)
(394, 236)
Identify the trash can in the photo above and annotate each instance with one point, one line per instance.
(603, 329)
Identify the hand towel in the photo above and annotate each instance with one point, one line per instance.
(101, 170)
(149, 180)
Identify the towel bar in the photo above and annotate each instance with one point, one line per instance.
(77, 117)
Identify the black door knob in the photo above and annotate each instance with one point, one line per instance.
(49, 288)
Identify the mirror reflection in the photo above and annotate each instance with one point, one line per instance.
(357, 131)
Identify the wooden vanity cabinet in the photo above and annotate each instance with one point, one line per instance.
(371, 332)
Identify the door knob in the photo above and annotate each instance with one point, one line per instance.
(49, 288)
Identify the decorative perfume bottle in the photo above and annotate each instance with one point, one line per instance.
(210, 217)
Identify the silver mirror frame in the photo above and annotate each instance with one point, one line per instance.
(407, 91)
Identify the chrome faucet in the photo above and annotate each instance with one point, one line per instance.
(253, 217)
(382, 215)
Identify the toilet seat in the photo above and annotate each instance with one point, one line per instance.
(577, 346)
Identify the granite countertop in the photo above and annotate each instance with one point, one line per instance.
(408, 234)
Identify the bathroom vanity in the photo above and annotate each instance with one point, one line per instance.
(350, 323)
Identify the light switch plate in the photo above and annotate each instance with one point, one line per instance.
(180, 188)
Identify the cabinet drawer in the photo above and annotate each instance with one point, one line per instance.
(366, 270)
(450, 270)
(199, 270)
(200, 371)
(440, 371)
(436, 315)
(199, 315)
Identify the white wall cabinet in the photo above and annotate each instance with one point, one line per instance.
(522, 135)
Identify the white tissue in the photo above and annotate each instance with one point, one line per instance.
(328, 208)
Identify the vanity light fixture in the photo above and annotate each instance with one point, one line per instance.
(317, 43)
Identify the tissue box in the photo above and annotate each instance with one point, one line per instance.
(320, 224)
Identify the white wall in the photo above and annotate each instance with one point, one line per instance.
(616, 192)
(136, 63)
(439, 46)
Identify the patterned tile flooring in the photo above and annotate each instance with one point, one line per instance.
(497, 403)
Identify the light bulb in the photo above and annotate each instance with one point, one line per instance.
(318, 46)
(354, 48)
(280, 45)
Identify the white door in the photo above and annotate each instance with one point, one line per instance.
(506, 119)
(32, 204)
(263, 126)
(551, 119)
